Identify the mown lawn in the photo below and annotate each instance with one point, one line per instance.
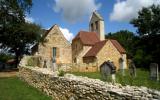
(13, 88)
(142, 78)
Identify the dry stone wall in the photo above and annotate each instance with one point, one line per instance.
(72, 87)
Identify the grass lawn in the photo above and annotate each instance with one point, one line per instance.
(142, 78)
(13, 88)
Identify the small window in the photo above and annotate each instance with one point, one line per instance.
(54, 52)
(96, 25)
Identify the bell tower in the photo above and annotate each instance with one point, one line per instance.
(97, 25)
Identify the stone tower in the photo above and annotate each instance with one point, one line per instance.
(97, 25)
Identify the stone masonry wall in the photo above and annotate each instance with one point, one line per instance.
(56, 39)
(111, 53)
(72, 87)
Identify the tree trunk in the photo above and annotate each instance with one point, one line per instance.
(17, 56)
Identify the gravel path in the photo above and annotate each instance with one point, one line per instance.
(8, 74)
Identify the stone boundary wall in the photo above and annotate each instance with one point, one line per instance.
(72, 87)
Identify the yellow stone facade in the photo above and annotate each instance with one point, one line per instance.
(109, 52)
(78, 51)
(97, 25)
(55, 39)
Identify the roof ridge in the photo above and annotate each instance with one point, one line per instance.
(118, 46)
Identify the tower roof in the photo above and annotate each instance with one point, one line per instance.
(95, 13)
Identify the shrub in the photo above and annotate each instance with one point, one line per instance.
(61, 73)
(4, 57)
(31, 62)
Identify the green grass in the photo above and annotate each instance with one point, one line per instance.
(142, 78)
(13, 88)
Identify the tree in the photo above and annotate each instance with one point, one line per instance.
(126, 39)
(148, 21)
(148, 28)
(15, 33)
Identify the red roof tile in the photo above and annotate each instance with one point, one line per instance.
(118, 46)
(98, 46)
(87, 38)
(95, 49)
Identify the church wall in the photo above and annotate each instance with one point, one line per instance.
(63, 47)
(77, 47)
(109, 52)
(89, 60)
(78, 51)
(101, 30)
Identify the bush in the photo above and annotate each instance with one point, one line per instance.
(5, 57)
(33, 61)
(61, 73)
(30, 62)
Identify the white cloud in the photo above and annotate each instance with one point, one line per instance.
(75, 10)
(29, 19)
(128, 9)
(67, 34)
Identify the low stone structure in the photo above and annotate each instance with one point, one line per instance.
(72, 87)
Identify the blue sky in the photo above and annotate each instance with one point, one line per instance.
(73, 15)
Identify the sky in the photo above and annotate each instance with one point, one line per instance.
(73, 16)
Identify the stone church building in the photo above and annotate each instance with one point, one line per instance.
(92, 48)
(55, 48)
(88, 47)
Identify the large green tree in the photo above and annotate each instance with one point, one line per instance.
(16, 34)
(148, 28)
(148, 21)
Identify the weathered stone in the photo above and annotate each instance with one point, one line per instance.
(72, 87)
(154, 74)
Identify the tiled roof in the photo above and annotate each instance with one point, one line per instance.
(98, 46)
(95, 49)
(118, 46)
(87, 38)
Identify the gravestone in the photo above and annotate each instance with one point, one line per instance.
(132, 69)
(45, 65)
(122, 70)
(108, 69)
(154, 75)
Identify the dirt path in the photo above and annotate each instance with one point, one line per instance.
(8, 74)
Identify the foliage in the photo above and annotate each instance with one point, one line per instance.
(142, 78)
(5, 57)
(148, 28)
(14, 89)
(61, 73)
(15, 33)
(30, 62)
(147, 22)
